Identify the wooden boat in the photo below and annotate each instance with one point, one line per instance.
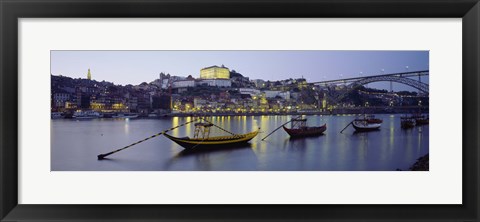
(372, 119)
(213, 142)
(202, 139)
(306, 131)
(299, 128)
(125, 115)
(421, 119)
(407, 122)
(363, 125)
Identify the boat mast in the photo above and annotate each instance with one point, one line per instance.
(202, 130)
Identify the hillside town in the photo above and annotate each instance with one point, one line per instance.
(218, 90)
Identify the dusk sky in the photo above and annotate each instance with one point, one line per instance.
(135, 67)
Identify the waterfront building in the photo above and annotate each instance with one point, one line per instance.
(132, 103)
(263, 103)
(59, 99)
(82, 98)
(199, 102)
(70, 105)
(161, 102)
(99, 102)
(97, 106)
(176, 104)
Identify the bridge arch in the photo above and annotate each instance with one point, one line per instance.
(403, 80)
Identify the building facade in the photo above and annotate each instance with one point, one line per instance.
(215, 72)
(183, 84)
(215, 82)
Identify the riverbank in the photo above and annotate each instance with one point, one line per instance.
(422, 164)
(334, 112)
(338, 111)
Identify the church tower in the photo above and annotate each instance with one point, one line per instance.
(89, 75)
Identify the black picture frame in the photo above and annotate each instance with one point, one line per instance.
(11, 11)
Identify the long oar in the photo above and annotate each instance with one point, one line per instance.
(346, 126)
(280, 127)
(102, 156)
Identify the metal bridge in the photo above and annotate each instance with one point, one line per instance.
(403, 78)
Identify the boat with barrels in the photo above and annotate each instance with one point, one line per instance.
(299, 128)
(203, 140)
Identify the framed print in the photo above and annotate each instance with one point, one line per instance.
(268, 110)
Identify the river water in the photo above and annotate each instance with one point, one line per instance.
(75, 145)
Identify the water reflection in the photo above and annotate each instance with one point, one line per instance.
(75, 145)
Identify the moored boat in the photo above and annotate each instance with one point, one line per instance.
(89, 114)
(372, 119)
(125, 115)
(306, 131)
(421, 119)
(407, 122)
(202, 139)
(299, 128)
(363, 125)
